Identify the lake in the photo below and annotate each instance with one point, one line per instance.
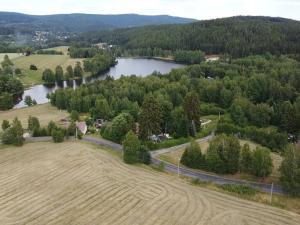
(125, 66)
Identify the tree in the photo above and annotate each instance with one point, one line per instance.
(59, 74)
(78, 71)
(131, 146)
(262, 162)
(102, 109)
(260, 114)
(6, 101)
(5, 125)
(288, 117)
(33, 123)
(223, 154)
(14, 134)
(74, 115)
(191, 107)
(28, 101)
(246, 159)
(290, 170)
(69, 73)
(179, 123)
(193, 157)
(150, 118)
(48, 76)
(119, 127)
(237, 114)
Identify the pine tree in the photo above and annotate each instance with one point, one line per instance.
(191, 107)
(150, 118)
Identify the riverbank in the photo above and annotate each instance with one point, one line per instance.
(125, 66)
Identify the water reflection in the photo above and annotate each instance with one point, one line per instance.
(125, 66)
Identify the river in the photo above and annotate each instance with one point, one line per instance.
(125, 66)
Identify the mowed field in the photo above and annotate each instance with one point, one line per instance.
(42, 62)
(78, 183)
(45, 113)
(10, 55)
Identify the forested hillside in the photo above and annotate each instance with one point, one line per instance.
(74, 23)
(238, 36)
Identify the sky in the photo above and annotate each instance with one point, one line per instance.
(197, 9)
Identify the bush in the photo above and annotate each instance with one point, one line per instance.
(18, 71)
(33, 67)
(5, 124)
(58, 135)
(40, 132)
(241, 190)
(14, 134)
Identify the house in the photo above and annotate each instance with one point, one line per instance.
(101, 45)
(79, 125)
(159, 138)
(82, 127)
(99, 123)
(212, 58)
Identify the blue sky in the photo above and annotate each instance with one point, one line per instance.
(198, 9)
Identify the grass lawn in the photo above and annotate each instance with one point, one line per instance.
(45, 113)
(172, 157)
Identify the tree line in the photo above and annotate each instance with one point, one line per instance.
(10, 87)
(237, 36)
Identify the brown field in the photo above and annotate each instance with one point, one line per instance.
(173, 157)
(45, 113)
(76, 183)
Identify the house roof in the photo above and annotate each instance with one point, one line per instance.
(82, 127)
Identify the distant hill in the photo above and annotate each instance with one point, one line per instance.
(74, 23)
(238, 36)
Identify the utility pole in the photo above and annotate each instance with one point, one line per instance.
(271, 194)
(178, 164)
(76, 134)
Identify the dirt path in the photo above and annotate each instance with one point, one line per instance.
(75, 183)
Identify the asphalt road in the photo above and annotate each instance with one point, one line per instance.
(202, 176)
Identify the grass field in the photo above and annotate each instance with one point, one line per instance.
(172, 157)
(10, 55)
(77, 183)
(30, 77)
(44, 112)
(63, 49)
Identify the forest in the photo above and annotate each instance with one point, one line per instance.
(237, 36)
(260, 95)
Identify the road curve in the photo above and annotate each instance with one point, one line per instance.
(183, 171)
